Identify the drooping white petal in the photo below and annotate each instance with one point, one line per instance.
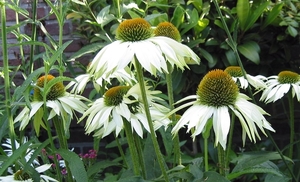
(221, 125)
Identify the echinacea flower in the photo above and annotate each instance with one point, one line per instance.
(136, 42)
(60, 103)
(279, 85)
(21, 176)
(29, 151)
(123, 104)
(218, 94)
(258, 82)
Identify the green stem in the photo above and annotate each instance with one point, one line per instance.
(62, 142)
(132, 148)
(60, 35)
(33, 35)
(232, 44)
(229, 142)
(206, 154)
(121, 152)
(221, 159)
(177, 156)
(292, 124)
(7, 83)
(58, 172)
(159, 156)
(138, 145)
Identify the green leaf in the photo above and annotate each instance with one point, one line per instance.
(90, 48)
(207, 55)
(152, 166)
(167, 140)
(243, 9)
(250, 50)
(104, 17)
(75, 164)
(192, 21)
(272, 15)
(231, 57)
(250, 159)
(212, 176)
(178, 16)
(292, 31)
(15, 155)
(19, 91)
(265, 167)
(99, 166)
(255, 13)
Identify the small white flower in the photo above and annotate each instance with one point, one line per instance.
(278, 86)
(123, 104)
(60, 103)
(258, 82)
(217, 95)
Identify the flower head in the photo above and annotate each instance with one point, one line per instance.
(60, 103)
(278, 86)
(258, 82)
(123, 104)
(136, 42)
(167, 29)
(218, 94)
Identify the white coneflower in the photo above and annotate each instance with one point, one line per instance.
(136, 41)
(123, 104)
(217, 94)
(278, 86)
(60, 103)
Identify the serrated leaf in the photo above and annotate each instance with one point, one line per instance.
(250, 50)
(75, 164)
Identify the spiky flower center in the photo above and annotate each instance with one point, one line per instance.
(114, 96)
(288, 77)
(167, 29)
(217, 89)
(132, 30)
(56, 91)
(234, 71)
(20, 176)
